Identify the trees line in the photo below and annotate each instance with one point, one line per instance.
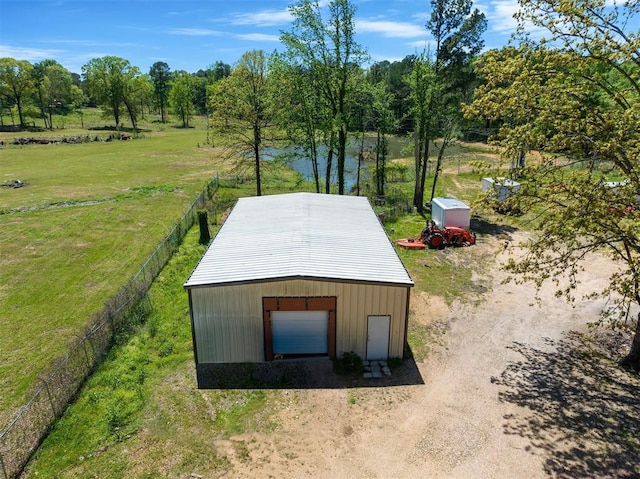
(573, 96)
(44, 89)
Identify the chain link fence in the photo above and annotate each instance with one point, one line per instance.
(24, 433)
(391, 207)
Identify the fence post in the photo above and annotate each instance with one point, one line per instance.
(86, 354)
(93, 348)
(46, 386)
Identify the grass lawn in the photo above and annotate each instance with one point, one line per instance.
(86, 220)
(142, 402)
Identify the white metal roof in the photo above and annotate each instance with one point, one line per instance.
(300, 235)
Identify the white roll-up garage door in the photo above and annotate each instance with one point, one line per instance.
(300, 332)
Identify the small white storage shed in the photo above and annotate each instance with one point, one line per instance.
(450, 211)
(502, 188)
(298, 275)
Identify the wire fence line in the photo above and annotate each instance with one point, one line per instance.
(27, 429)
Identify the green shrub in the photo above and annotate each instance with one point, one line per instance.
(349, 363)
(205, 235)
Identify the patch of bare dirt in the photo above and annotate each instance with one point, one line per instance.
(427, 309)
(513, 390)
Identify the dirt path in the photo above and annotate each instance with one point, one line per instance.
(502, 397)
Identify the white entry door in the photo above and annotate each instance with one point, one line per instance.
(378, 337)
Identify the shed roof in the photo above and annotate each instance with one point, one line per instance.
(450, 203)
(300, 235)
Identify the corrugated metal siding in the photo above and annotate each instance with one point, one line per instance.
(300, 235)
(228, 322)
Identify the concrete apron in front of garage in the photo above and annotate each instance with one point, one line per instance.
(376, 369)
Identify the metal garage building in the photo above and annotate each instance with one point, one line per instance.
(296, 275)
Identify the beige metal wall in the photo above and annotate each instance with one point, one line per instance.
(228, 322)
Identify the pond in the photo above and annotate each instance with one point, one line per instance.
(298, 161)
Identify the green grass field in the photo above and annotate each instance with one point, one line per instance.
(85, 221)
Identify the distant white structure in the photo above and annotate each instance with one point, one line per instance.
(502, 188)
(448, 211)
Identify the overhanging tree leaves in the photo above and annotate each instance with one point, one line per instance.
(579, 105)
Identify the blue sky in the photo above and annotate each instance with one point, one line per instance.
(193, 34)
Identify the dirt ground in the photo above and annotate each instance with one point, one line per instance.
(510, 389)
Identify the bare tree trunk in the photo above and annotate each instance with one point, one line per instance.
(20, 117)
(423, 173)
(383, 163)
(132, 115)
(360, 158)
(342, 151)
(314, 164)
(418, 191)
(329, 163)
(257, 139)
(313, 152)
(42, 111)
(445, 143)
(437, 171)
(632, 360)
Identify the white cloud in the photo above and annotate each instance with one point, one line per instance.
(194, 32)
(423, 17)
(92, 43)
(390, 29)
(258, 37)
(265, 18)
(422, 45)
(29, 54)
(500, 15)
(72, 61)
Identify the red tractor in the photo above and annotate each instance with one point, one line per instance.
(437, 238)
